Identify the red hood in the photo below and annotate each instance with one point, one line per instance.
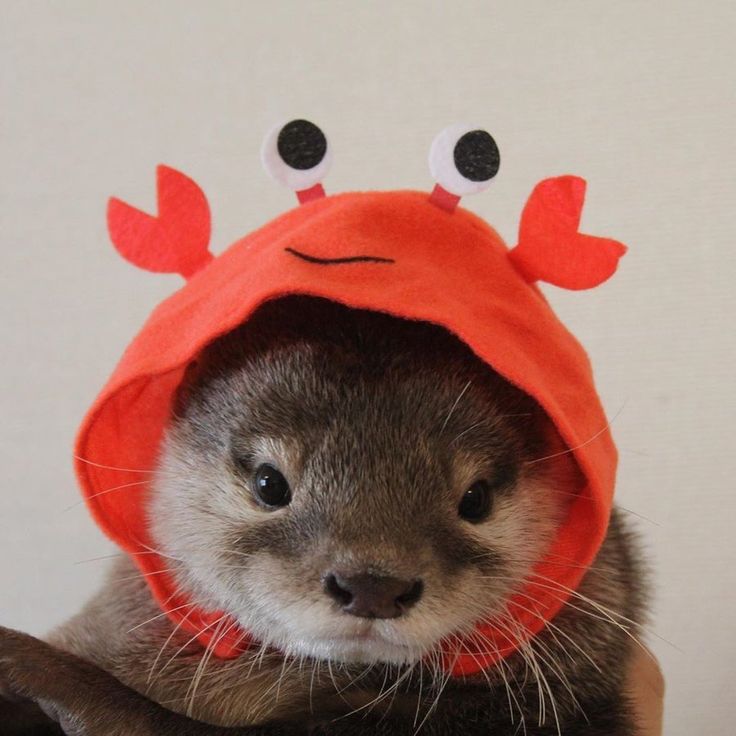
(449, 268)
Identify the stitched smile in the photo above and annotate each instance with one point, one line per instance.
(333, 261)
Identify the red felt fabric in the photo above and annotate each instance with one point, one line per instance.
(443, 199)
(176, 240)
(307, 195)
(449, 268)
(551, 248)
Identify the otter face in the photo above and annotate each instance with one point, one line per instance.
(352, 486)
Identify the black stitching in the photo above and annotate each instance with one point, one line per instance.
(334, 261)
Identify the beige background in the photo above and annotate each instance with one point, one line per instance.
(636, 96)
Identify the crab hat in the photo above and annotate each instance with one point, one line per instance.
(415, 255)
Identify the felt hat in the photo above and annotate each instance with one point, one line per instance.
(413, 254)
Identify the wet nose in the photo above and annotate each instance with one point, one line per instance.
(373, 596)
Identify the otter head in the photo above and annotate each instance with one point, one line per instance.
(353, 486)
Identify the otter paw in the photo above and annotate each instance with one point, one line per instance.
(79, 696)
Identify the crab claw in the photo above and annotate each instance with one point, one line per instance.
(550, 247)
(174, 241)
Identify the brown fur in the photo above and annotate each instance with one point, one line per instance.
(379, 425)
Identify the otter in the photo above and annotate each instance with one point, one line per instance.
(355, 489)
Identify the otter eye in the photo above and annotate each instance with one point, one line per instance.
(476, 504)
(296, 154)
(464, 159)
(271, 488)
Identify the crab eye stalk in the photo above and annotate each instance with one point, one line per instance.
(297, 155)
(463, 160)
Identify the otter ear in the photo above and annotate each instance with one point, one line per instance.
(174, 241)
(550, 247)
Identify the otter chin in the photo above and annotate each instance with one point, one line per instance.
(365, 647)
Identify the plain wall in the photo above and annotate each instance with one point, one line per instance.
(638, 97)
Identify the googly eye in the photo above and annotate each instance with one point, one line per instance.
(297, 155)
(463, 159)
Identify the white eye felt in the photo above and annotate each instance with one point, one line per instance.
(463, 159)
(296, 154)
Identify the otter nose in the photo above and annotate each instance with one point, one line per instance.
(373, 596)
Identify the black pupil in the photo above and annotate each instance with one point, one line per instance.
(271, 486)
(476, 503)
(301, 144)
(476, 156)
